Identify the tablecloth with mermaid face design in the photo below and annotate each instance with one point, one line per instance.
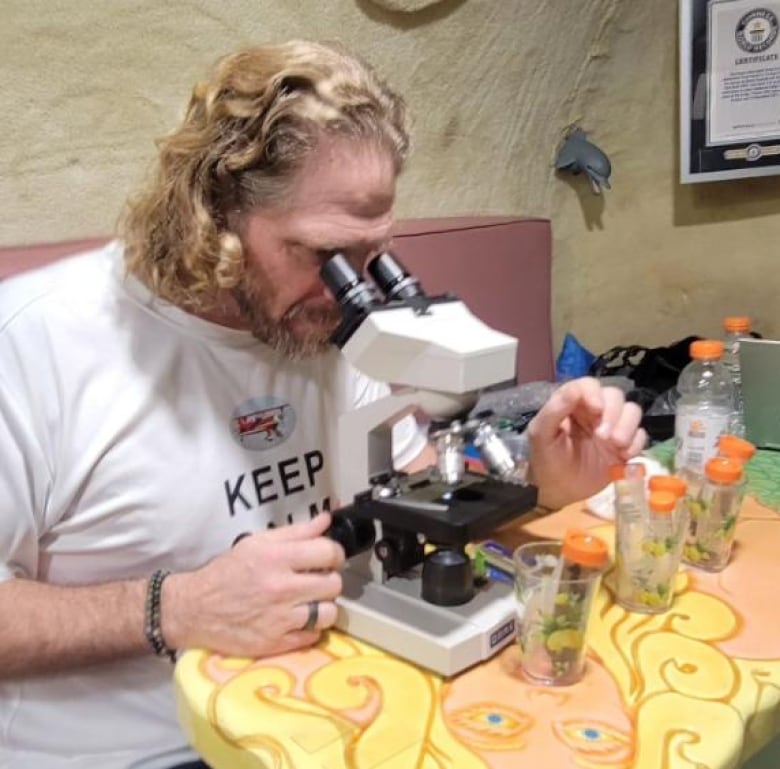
(695, 688)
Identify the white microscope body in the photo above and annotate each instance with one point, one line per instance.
(414, 593)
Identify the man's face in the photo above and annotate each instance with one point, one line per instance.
(341, 200)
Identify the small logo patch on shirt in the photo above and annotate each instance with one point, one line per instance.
(262, 423)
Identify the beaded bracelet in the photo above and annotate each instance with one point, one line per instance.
(152, 627)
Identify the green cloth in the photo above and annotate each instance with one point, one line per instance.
(763, 472)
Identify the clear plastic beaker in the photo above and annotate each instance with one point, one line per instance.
(555, 583)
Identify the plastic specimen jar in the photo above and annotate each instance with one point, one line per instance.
(555, 583)
(649, 550)
(713, 515)
(628, 481)
(735, 447)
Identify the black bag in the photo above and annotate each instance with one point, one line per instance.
(660, 367)
(650, 368)
(654, 371)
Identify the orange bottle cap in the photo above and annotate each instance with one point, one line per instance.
(736, 447)
(735, 323)
(626, 470)
(585, 549)
(662, 501)
(706, 349)
(723, 469)
(672, 483)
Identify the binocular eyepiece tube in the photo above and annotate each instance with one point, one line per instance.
(391, 277)
(346, 285)
(355, 293)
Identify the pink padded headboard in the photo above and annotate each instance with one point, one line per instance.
(499, 266)
(18, 258)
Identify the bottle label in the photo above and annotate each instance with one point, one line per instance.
(696, 439)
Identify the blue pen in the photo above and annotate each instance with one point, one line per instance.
(497, 556)
(498, 575)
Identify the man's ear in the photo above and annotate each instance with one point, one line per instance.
(232, 221)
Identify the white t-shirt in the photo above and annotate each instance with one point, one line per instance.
(135, 436)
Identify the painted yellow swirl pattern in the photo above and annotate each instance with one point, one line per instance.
(416, 739)
(696, 619)
(675, 732)
(258, 696)
(667, 662)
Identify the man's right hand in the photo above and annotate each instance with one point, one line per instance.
(253, 600)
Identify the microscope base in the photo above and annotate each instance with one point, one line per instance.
(444, 639)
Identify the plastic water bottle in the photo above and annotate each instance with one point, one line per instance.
(704, 409)
(735, 327)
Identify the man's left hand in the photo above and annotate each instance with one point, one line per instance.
(581, 430)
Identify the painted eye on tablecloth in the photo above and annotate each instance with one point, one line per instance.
(490, 726)
(597, 740)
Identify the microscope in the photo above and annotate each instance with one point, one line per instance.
(409, 583)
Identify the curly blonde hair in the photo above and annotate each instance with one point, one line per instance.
(246, 133)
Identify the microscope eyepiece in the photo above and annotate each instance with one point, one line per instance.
(346, 285)
(392, 278)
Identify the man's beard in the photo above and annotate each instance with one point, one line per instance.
(282, 335)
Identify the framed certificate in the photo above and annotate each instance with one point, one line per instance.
(729, 89)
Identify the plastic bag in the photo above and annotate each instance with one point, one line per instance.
(518, 403)
(574, 360)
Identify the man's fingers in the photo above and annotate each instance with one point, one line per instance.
(322, 613)
(320, 554)
(580, 399)
(327, 614)
(619, 420)
(584, 404)
(316, 586)
(626, 425)
(639, 442)
(292, 641)
(316, 527)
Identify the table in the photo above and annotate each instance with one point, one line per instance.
(695, 688)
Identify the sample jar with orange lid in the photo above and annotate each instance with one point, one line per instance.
(736, 447)
(628, 483)
(648, 552)
(555, 583)
(672, 483)
(713, 515)
(677, 485)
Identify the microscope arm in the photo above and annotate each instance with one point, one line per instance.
(365, 434)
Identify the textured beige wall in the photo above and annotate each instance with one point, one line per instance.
(492, 84)
(653, 260)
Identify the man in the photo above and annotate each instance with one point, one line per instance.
(163, 395)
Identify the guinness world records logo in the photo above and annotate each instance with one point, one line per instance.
(756, 30)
